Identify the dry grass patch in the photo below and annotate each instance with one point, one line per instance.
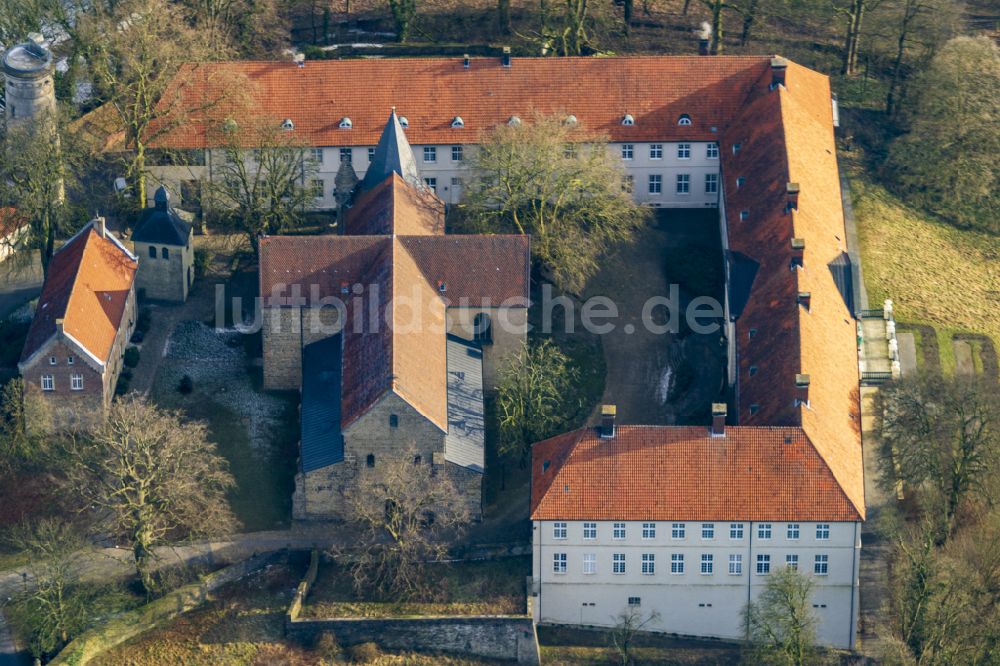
(935, 274)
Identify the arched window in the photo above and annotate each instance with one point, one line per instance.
(628, 120)
(152, 252)
(371, 460)
(684, 120)
(165, 253)
(482, 329)
(345, 123)
(457, 122)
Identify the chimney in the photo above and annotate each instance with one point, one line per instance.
(718, 419)
(778, 66)
(798, 250)
(792, 190)
(607, 428)
(59, 326)
(505, 59)
(801, 381)
(466, 62)
(804, 299)
(101, 227)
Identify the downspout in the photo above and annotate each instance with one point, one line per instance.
(854, 584)
(746, 630)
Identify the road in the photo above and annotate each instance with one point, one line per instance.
(18, 284)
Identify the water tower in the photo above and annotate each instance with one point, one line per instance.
(28, 79)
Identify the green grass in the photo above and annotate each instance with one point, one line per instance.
(461, 588)
(936, 274)
(565, 645)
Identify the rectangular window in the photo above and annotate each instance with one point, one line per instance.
(736, 148)
(792, 562)
(558, 530)
(48, 383)
(317, 187)
(683, 151)
(735, 565)
(430, 154)
(707, 563)
(735, 530)
(683, 183)
(655, 183)
(656, 151)
(456, 154)
(648, 564)
(76, 382)
(712, 151)
(347, 155)
(589, 563)
(628, 151)
(619, 531)
(431, 183)
(649, 530)
(618, 563)
(677, 563)
(371, 154)
(708, 530)
(823, 531)
(764, 531)
(677, 531)
(316, 154)
(590, 530)
(52, 360)
(793, 531)
(634, 601)
(559, 563)
(821, 566)
(763, 565)
(740, 182)
(70, 360)
(569, 150)
(711, 183)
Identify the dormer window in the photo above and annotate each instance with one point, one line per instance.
(442, 286)
(457, 122)
(403, 121)
(345, 123)
(684, 120)
(287, 124)
(514, 121)
(570, 120)
(628, 120)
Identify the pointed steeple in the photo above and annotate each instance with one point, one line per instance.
(392, 154)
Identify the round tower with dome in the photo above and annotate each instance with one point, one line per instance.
(29, 86)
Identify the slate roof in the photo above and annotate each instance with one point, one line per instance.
(683, 473)
(161, 224)
(431, 92)
(393, 155)
(466, 440)
(321, 443)
(87, 286)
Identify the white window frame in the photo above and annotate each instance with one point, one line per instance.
(764, 531)
(76, 382)
(589, 531)
(823, 531)
(53, 360)
(763, 564)
(70, 360)
(457, 154)
(792, 532)
(348, 153)
(678, 531)
(589, 564)
(431, 183)
(683, 183)
(656, 151)
(618, 564)
(683, 151)
(735, 531)
(618, 531)
(316, 155)
(821, 565)
(430, 155)
(707, 559)
(371, 154)
(736, 565)
(649, 530)
(48, 383)
(628, 152)
(711, 183)
(712, 151)
(559, 563)
(648, 564)
(709, 529)
(655, 184)
(676, 564)
(792, 561)
(559, 531)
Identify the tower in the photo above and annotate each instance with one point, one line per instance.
(28, 78)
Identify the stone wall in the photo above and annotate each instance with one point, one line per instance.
(165, 279)
(509, 330)
(282, 342)
(508, 638)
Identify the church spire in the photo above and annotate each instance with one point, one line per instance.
(392, 154)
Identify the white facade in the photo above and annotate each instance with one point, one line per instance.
(668, 174)
(697, 576)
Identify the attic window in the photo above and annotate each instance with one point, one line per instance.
(345, 123)
(752, 332)
(744, 214)
(753, 370)
(403, 121)
(287, 124)
(684, 120)
(628, 120)
(545, 465)
(570, 120)
(514, 121)
(457, 122)
(736, 148)
(442, 286)
(741, 181)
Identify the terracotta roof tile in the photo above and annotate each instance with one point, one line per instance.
(392, 207)
(87, 286)
(683, 473)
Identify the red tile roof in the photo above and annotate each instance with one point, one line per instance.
(87, 286)
(394, 208)
(431, 92)
(683, 473)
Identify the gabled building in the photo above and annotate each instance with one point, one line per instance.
(85, 316)
(391, 331)
(163, 244)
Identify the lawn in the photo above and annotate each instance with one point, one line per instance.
(564, 645)
(461, 588)
(936, 275)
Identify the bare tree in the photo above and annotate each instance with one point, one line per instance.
(628, 624)
(263, 185)
(24, 420)
(940, 436)
(780, 624)
(407, 508)
(152, 475)
(404, 12)
(854, 12)
(550, 178)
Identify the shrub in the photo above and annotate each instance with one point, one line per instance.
(364, 653)
(201, 259)
(186, 385)
(131, 357)
(327, 646)
(121, 388)
(144, 321)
